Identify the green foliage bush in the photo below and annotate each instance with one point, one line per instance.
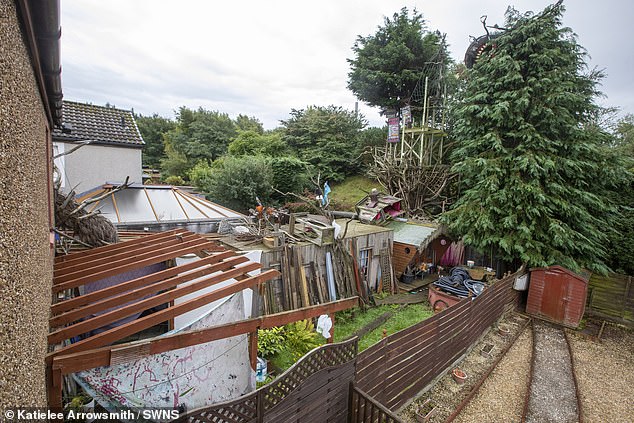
(286, 344)
(290, 174)
(174, 180)
(388, 65)
(236, 181)
(326, 138)
(270, 341)
(251, 143)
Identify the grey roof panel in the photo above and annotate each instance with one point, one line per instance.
(414, 233)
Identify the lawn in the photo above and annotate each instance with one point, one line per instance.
(349, 192)
(349, 321)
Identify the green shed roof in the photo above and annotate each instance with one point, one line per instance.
(418, 234)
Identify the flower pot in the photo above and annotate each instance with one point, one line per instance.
(459, 376)
(504, 331)
(425, 411)
(486, 350)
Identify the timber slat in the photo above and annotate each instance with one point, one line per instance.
(98, 321)
(408, 360)
(95, 296)
(130, 328)
(107, 249)
(141, 292)
(88, 276)
(104, 264)
(127, 250)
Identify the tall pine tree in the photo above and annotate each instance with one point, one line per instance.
(531, 167)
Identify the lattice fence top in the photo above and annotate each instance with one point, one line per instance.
(245, 408)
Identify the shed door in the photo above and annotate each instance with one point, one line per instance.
(553, 299)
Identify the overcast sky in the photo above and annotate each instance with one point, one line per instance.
(263, 58)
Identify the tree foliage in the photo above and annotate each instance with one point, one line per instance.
(388, 65)
(326, 138)
(530, 162)
(290, 174)
(235, 181)
(152, 129)
(251, 143)
(249, 123)
(199, 135)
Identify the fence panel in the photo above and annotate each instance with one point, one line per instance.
(401, 365)
(365, 409)
(313, 389)
(611, 297)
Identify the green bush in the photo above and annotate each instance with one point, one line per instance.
(174, 180)
(301, 338)
(235, 182)
(270, 341)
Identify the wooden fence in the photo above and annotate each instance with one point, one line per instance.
(364, 408)
(611, 297)
(401, 365)
(321, 386)
(315, 389)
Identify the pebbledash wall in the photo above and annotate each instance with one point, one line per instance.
(25, 256)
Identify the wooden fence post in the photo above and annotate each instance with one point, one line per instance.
(260, 407)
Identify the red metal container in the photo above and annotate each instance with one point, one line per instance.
(557, 294)
(440, 300)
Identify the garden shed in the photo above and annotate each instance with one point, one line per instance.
(557, 294)
(416, 244)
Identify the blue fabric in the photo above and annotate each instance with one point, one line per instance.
(327, 190)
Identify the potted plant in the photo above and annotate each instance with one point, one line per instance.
(459, 376)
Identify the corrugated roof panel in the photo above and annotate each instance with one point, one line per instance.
(412, 233)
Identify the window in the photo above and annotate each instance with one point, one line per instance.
(365, 258)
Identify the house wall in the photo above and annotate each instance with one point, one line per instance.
(26, 266)
(94, 165)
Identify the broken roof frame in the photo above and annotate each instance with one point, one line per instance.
(78, 315)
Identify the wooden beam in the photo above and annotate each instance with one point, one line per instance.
(72, 303)
(179, 203)
(109, 259)
(84, 277)
(95, 252)
(139, 293)
(186, 198)
(215, 207)
(78, 361)
(130, 328)
(151, 205)
(113, 316)
(116, 209)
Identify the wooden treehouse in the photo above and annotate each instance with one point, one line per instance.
(414, 165)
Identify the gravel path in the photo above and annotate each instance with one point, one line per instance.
(501, 398)
(446, 394)
(605, 374)
(552, 395)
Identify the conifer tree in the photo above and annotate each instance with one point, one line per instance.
(531, 167)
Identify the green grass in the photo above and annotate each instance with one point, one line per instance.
(349, 192)
(346, 325)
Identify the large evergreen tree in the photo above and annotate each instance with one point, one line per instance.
(388, 65)
(325, 137)
(531, 167)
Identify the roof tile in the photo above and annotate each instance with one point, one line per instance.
(100, 124)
